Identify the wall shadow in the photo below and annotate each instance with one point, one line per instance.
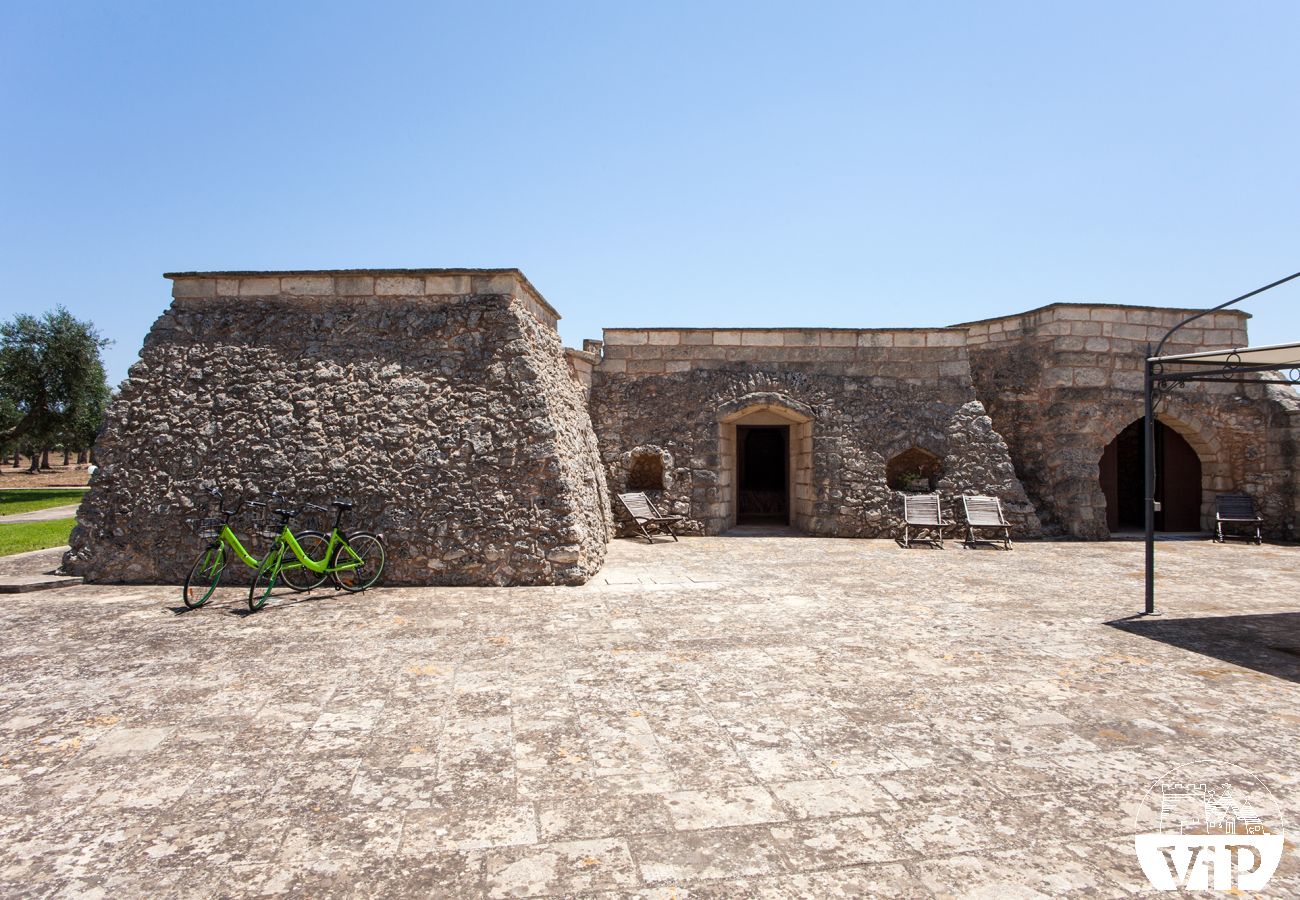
(1268, 643)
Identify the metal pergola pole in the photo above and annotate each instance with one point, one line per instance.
(1149, 485)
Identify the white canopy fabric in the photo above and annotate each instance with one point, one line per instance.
(1283, 356)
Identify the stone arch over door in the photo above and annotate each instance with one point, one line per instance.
(1188, 428)
(765, 409)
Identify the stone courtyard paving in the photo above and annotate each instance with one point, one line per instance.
(722, 717)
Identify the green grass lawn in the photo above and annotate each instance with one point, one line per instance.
(24, 536)
(20, 501)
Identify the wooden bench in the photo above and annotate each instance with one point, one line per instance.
(645, 516)
(1236, 509)
(985, 512)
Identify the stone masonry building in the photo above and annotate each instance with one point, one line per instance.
(442, 402)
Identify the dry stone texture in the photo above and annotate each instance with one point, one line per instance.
(866, 402)
(453, 422)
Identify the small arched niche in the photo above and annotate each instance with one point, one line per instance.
(913, 470)
(645, 471)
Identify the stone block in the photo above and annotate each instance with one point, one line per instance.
(645, 366)
(494, 284)
(876, 339)
(259, 287)
(354, 285)
(227, 287)
(838, 339)
(194, 287)
(307, 285)
(800, 337)
(1219, 337)
(954, 369)
(677, 365)
(402, 286)
(665, 337)
(1090, 377)
(1071, 342)
(697, 337)
(1126, 380)
(726, 338)
(1072, 313)
(761, 339)
(625, 336)
(611, 365)
(909, 339)
(1132, 332)
(1097, 345)
(1058, 377)
(945, 339)
(1108, 315)
(448, 285)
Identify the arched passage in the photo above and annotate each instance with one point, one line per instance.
(1178, 481)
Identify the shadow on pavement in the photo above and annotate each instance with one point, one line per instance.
(1268, 643)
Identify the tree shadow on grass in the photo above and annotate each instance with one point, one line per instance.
(1268, 643)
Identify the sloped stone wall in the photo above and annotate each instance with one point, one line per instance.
(854, 400)
(450, 419)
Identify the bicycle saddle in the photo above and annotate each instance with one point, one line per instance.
(343, 504)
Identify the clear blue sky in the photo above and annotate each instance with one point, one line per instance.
(668, 164)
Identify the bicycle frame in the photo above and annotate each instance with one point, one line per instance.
(286, 540)
(228, 537)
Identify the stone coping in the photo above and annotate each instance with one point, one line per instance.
(787, 337)
(1182, 310)
(359, 283)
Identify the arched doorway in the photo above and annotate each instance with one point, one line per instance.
(765, 463)
(1178, 481)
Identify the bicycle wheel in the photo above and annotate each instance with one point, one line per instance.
(362, 560)
(267, 574)
(293, 573)
(204, 575)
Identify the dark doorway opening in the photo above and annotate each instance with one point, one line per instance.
(1178, 481)
(762, 470)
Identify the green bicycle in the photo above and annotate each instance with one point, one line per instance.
(353, 561)
(205, 574)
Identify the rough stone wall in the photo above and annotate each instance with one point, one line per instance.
(866, 396)
(1060, 382)
(441, 404)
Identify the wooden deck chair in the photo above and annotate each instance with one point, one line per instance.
(1236, 509)
(985, 512)
(924, 512)
(645, 515)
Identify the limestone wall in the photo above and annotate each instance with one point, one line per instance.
(853, 400)
(1060, 382)
(439, 401)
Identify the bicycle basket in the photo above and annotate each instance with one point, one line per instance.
(209, 528)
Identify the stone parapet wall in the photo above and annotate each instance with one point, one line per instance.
(451, 420)
(1059, 383)
(918, 356)
(1109, 328)
(367, 283)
